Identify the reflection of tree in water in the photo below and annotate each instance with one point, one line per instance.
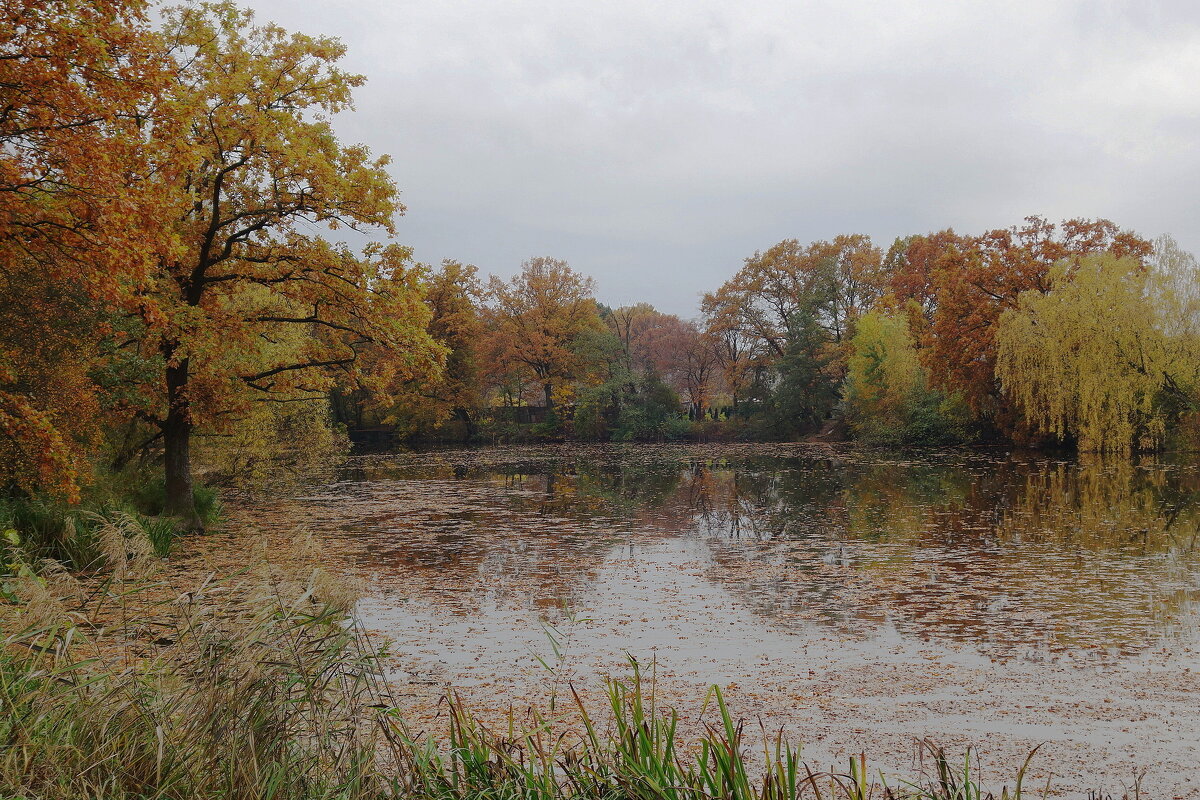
(1011, 555)
(630, 486)
(526, 531)
(761, 500)
(508, 540)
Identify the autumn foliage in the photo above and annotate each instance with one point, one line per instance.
(964, 285)
(941, 309)
(172, 198)
(536, 319)
(158, 196)
(1110, 355)
(72, 77)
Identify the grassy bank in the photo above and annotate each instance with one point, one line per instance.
(47, 528)
(259, 686)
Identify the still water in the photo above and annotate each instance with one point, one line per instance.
(1018, 557)
(861, 598)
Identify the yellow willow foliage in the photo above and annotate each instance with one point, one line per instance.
(1105, 354)
(1102, 501)
(888, 397)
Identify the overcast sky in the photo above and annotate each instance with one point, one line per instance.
(654, 145)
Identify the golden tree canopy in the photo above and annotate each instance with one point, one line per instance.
(536, 318)
(1106, 354)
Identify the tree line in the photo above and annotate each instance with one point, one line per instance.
(172, 288)
(1078, 334)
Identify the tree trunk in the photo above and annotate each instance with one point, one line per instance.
(177, 439)
(549, 396)
(464, 416)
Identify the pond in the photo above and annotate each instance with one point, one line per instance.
(858, 599)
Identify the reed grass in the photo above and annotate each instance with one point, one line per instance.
(48, 528)
(639, 755)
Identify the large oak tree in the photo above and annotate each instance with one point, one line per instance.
(73, 74)
(249, 171)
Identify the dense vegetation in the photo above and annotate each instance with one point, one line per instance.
(942, 339)
(167, 296)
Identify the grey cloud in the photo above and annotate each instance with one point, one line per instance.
(654, 145)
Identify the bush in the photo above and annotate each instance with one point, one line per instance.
(150, 497)
(592, 413)
(651, 414)
(39, 528)
(549, 428)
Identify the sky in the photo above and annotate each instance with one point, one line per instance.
(655, 145)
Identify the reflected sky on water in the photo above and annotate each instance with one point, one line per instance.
(1017, 556)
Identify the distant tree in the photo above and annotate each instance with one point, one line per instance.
(913, 265)
(686, 358)
(700, 369)
(739, 349)
(420, 403)
(665, 346)
(762, 299)
(855, 272)
(535, 318)
(605, 383)
(629, 323)
(831, 282)
(809, 377)
(453, 294)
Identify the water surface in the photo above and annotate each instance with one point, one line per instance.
(860, 597)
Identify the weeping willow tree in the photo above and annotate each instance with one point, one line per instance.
(1110, 356)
